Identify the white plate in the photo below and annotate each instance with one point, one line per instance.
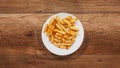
(76, 44)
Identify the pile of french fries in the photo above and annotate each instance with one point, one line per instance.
(62, 32)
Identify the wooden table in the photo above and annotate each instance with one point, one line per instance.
(20, 33)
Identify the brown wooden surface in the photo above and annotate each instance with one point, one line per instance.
(21, 22)
(53, 6)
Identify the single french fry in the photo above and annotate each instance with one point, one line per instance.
(58, 37)
(67, 47)
(65, 36)
(71, 37)
(72, 24)
(66, 21)
(61, 32)
(45, 29)
(73, 40)
(58, 34)
(48, 29)
(58, 27)
(52, 21)
(74, 33)
(74, 20)
(56, 40)
(51, 32)
(47, 33)
(59, 20)
(55, 43)
(67, 44)
(51, 39)
(68, 17)
(62, 46)
(74, 28)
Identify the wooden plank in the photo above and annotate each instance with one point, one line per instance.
(53, 6)
(82, 6)
(21, 34)
(20, 6)
(83, 61)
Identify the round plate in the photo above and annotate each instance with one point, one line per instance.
(62, 52)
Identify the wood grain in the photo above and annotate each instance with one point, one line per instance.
(82, 6)
(21, 34)
(20, 6)
(83, 61)
(53, 6)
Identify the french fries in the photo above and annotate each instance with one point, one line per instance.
(68, 17)
(74, 28)
(59, 20)
(67, 22)
(63, 27)
(52, 21)
(58, 37)
(63, 47)
(73, 20)
(46, 27)
(57, 25)
(62, 32)
(58, 31)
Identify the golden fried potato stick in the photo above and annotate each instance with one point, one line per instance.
(58, 31)
(55, 44)
(74, 33)
(58, 27)
(45, 29)
(52, 21)
(74, 20)
(63, 47)
(58, 34)
(56, 40)
(63, 28)
(51, 38)
(66, 21)
(74, 28)
(51, 31)
(65, 36)
(59, 20)
(68, 17)
(73, 40)
(58, 37)
(67, 44)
